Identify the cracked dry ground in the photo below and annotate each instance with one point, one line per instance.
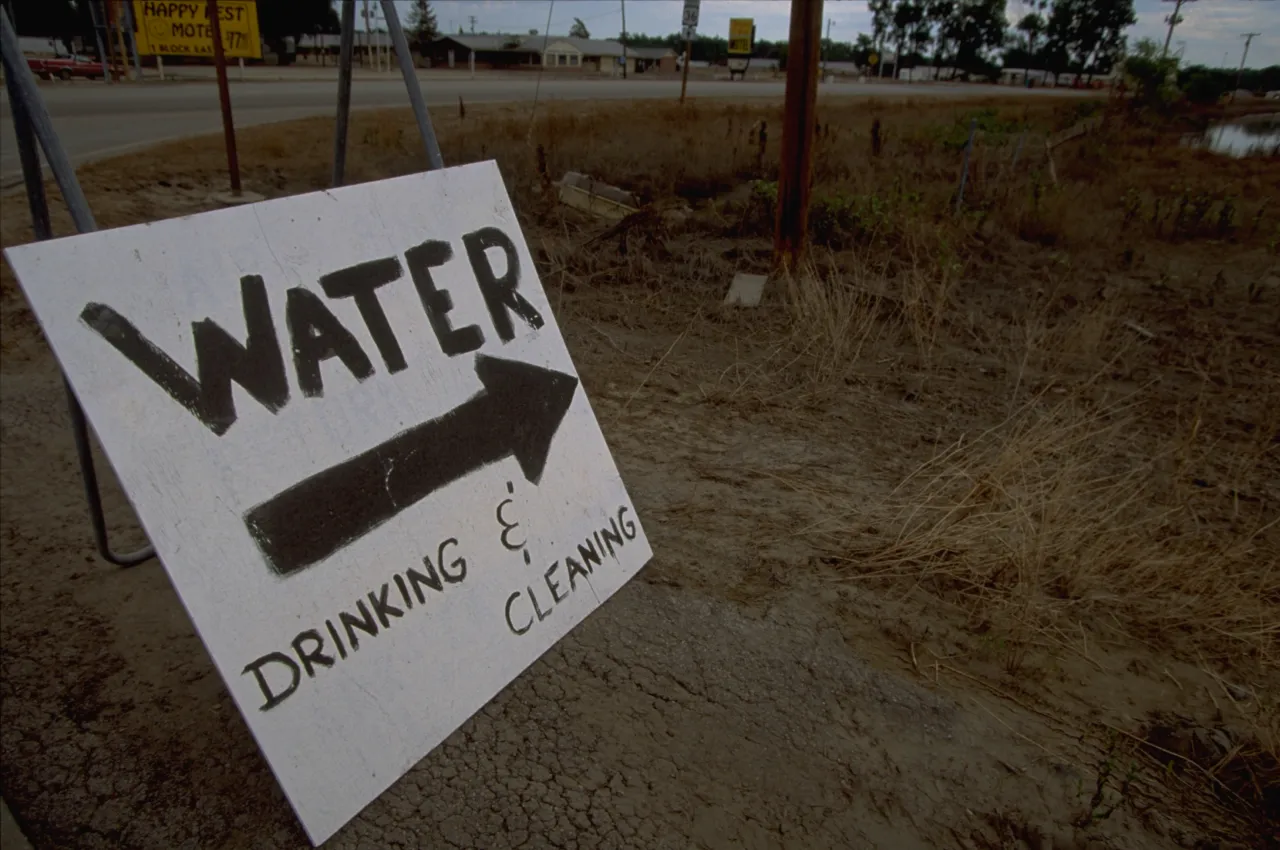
(729, 697)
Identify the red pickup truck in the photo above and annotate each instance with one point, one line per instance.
(69, 67)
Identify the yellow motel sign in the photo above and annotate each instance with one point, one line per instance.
(181, 28)
(741, 31)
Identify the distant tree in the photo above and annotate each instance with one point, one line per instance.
(279, 20)
(579, 29)
(423, 28)
(881, 22)
(908, 17)
(1033, 25)
(1154, 74)
(58, 19)
(937, 14)
(1087, 35)
(977, 27)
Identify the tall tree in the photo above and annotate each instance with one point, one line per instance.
(423, 28)
(579, 29)
(976, 27)
(1087, 34)
(881, 24)
(908, 15)
(1033, 24)
(937, 14)
(58, 19)
(282, 19)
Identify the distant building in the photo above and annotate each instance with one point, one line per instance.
(516, 52)
(1019, 77)
(660, 59)
(40, 46)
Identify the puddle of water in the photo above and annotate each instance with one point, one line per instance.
(1260, 135)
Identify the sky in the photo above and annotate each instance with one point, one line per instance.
(1211, 31)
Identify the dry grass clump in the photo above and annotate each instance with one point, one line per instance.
(1057, 516)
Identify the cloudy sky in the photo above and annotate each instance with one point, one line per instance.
(1211, 31)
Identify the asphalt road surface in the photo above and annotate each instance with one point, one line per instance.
(95, 120)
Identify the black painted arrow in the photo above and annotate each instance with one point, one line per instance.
(517, 413)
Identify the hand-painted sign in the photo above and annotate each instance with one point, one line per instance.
(689, 19)
(181, 28)
(353, 432)
(741, 33)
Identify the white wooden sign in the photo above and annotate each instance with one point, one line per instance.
(351, 428)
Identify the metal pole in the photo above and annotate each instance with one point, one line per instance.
(791, 233)
(624, 39)
(95, 13)
(434, 159)
(964, 171)
(1248, 39)
(688, 56)
(1017, 152)
(31, 124)
(224, 97)
(133, 40)
(344, 91)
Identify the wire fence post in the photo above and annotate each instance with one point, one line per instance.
(401, 45)
(964, 171)
(344, 92)
(31, 125)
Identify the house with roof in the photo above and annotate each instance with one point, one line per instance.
(527, 52)
(658, 59)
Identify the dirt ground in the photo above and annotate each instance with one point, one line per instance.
(809, 661)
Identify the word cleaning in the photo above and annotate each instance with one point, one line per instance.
(316, 334)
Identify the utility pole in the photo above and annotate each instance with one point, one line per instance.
(224, 97)
(1248, 39)
(684, 77)
(1173, 20)
(473, 23)
(115, 17)
(624, 39)
(364, 57)
(792, 226)
(826, 48)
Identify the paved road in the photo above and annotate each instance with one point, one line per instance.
(96, 120)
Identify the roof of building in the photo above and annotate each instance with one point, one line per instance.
(534, 43)
(590, 46)
(650, 52)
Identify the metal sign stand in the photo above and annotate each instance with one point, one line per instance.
(32, 126)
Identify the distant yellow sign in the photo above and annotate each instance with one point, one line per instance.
(740, 32)
(873, 59)
(181, 28)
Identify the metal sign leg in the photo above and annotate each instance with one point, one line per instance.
(344, 92)
(31, 124)
(401, 44)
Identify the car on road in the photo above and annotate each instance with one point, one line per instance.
(69, 67)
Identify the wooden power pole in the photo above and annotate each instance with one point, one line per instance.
(224, 97)
(792, 230)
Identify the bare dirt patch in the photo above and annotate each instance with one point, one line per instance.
(967, 539)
